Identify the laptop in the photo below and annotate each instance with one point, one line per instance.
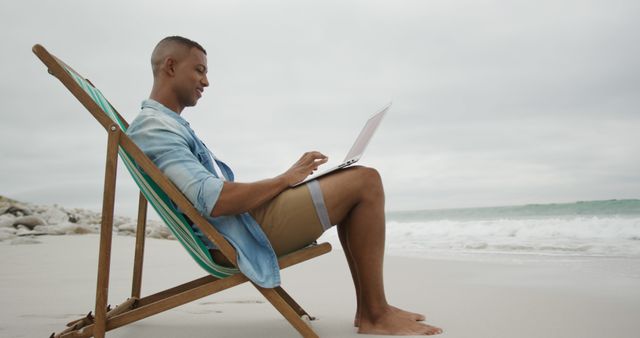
(358, 147)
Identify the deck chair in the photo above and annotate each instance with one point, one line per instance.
(159, 191)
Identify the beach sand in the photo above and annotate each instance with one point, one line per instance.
(45, 285)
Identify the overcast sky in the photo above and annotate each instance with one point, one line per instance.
(494, 102)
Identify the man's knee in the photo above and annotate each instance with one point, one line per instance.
(353, 183)
(370, 177)
(348, 188)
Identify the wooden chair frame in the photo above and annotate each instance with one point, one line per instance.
(137, 307)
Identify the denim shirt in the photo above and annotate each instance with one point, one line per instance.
(168, 140)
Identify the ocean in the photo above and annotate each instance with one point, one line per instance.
(592, 228)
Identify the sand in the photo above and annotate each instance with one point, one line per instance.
(48, 283)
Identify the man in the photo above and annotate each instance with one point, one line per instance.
(268, 218)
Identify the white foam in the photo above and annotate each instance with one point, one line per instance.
(578, 236)
(607, 236)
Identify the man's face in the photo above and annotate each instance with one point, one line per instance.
(191, 77)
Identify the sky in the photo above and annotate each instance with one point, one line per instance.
(494, 102)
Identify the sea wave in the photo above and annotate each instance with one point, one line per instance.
(601, 236)
(579, 236)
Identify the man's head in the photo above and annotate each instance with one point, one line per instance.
(179, 68)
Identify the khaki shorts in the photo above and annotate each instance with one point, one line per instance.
(292, 220)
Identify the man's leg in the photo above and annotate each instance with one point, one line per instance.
(342, 235)
(355, 201)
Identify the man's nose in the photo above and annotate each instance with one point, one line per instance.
(205, 81)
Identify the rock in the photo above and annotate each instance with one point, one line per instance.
(18, 219)
(73, 218)
(29, 221)
(54, 216)
(49, 229)
(7, 220)
(158, 232)
(120, 220)
(127, 228)
(84, 216)
(17, 211)
(24, 231)
(9, 206)
(7, 200)
(10, 230)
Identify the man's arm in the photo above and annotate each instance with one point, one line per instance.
(237, 198)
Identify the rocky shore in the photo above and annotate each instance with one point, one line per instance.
(21, 222)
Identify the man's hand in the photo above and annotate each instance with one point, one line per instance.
(305, 166)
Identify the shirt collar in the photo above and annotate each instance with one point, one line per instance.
(155, 105)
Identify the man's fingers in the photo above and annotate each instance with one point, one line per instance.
(314, 154)
(309, 162)
(321, 162)
(318, 162)
(312, 157)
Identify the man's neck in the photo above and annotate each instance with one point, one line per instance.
(166, 99)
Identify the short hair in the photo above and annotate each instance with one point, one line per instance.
(183, 41)
(157, 56)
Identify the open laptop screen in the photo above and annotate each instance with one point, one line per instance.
(365, 135)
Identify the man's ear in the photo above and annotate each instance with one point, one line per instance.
(170, 66)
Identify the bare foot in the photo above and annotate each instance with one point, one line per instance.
(411, 315)
(393, 322)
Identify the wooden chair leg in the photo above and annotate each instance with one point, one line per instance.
(287, 311)
(136, 286)
(297, 308)
(106, 228)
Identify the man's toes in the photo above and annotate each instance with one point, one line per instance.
(432, 330)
